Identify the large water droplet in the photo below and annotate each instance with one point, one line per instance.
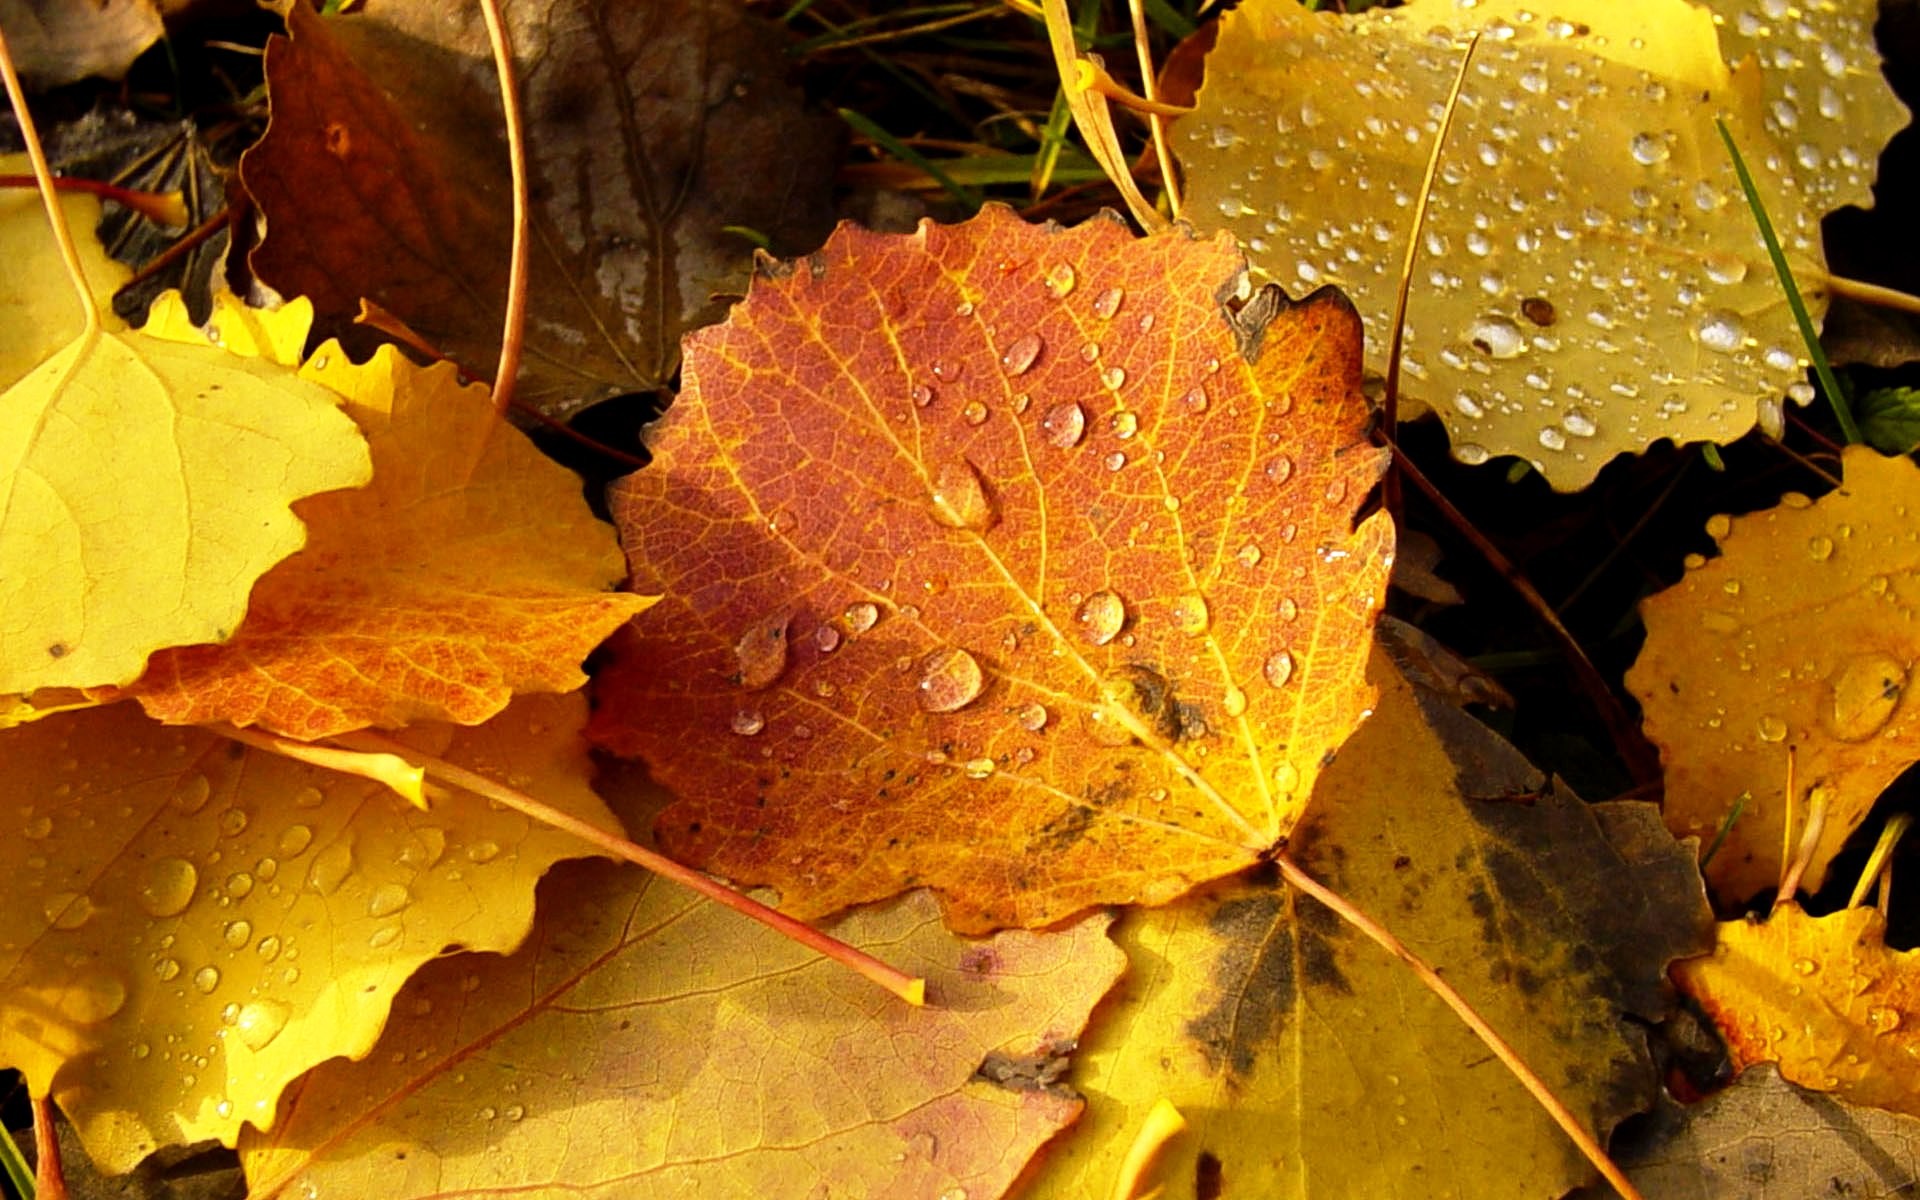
(1033, 718)
(1107, 303)
(1123, 425)
(191, 794)
(1278, 668)
(1060, 279)
(748, 722)
(295, 839)
(260, 1022)
(1496, 336)
(950, 679)
(237, 934)
(168, 887)
(1279, 468)
(93, 997)
(760, 653)
(1721, 330)
(1101, 617)
(1866, 690)
(1190, 615)
(1772, 728)
(206, 979)
(1064, 424)
(860, 617)
(979, 768)
(387, 899)
(331, 866)
(1648, 149)
(1114, 377)
(1235, 701)
(1019, 357)
(1819, 547)
(960, 499)
(974, 413)
(67, 910)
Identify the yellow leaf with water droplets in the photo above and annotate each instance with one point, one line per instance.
(1801, 636)
(1589, 279)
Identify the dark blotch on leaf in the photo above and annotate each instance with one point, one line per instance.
(1206, 1176)
(1038, 1072)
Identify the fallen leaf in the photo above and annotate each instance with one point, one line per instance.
(649, 1043)
(1309, 1063)
(651, 129)
(145, 480)
(1590, 279)
(1821, 996)
(1800, 636)
(437, 592)
(1765, 1139)
(191, 925)
(56, 42)
(1042, 559)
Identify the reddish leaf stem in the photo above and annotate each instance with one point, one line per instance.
(1627, 742)
(907, 987)
(164, 207)
(49, 1177)
(1562, 1116)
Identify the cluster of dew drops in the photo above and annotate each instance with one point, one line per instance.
(168, 887)
(950, 678)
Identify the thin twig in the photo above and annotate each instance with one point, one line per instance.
(516, 317)
(1872, 293)
(1156, 121)
(1562, 1116)
(905, 986)
(1632, 748)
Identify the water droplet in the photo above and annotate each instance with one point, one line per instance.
(268, 948)
(1113, 377)
(1286, 779)
(827, 638)
(192, 793)
(1578, 423)
(1033, 718)
(950, 679)
(1819, 547)
(1090, 352)
(206, 979)
(168, 887)
(1648, 150)
(1496, 336)
(93, 997)
(760, 653)
(1726, 268)
(979, 768)
(38, 828)
(239, 885)
(921, 394)
(1064, 424)
(1552, 438)
(1195, 399)
(1883, 1020)
(1115, 461)
(1107, 303)
(748, 722)
(309, 797)
(1278, 668)
(860, 617)
(1721, 330)
(1279, 468)
(1101, 617)
(1060, 280)
(1336, 491)
(67, 910)
(1235, 701)
(1019, 357)
(975, 413)
(237, 934)
(1805, 966)
(383, 937)
(960, 499)
(1123, 425)
(1772, 729)
(1249, 556)
(1866, 690)
(1190, 615)
(331, 866)
(482, 852)
(387, 899)
(260, 1022)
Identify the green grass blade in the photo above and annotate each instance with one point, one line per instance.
(907, 154)
(18, 1173)
(1821, 367)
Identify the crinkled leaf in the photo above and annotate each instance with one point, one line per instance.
(191, 925)
(648, 1043)
(1310, 1063)
(438, 592)
(990, 563)
(651, 128)
(1800, 636)
(1590, 279)
(1824, 997)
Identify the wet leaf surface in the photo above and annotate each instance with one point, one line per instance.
(1072, 613)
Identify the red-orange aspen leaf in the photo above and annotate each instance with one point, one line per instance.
(1010, 560)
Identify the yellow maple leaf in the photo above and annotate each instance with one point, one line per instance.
(31, 327)
(190, 925)
(145, 484)
(1799, 637)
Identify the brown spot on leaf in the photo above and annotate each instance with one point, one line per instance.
(1041, 1071)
